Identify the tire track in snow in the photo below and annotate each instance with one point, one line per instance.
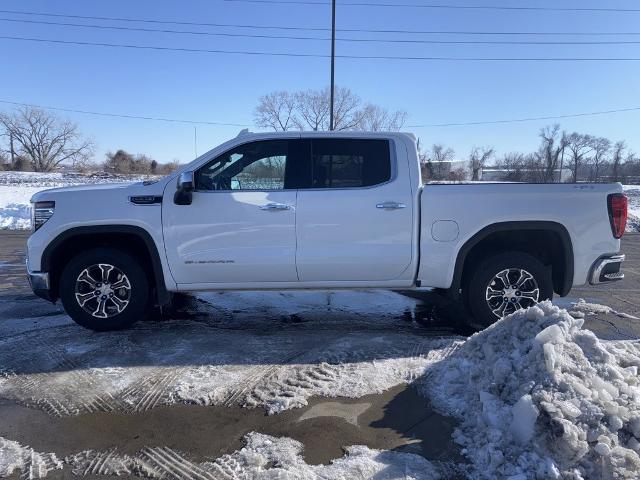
(31, 384)
(165, 463)
(151, 392)
(259, 374)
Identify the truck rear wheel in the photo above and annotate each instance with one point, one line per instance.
(504, 283)
(104, 289)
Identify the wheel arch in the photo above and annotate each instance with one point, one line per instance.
(540, 238)
(128, 237)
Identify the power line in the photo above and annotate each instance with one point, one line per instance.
(163, 22)
(157, 30)
(528, 119)
(445, 7)
(314, 55)
(355, 40)
(196, 122)
(317, 29)
(123, 115)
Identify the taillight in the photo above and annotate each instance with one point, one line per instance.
(617, 206)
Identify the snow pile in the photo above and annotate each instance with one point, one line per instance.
(15, 209)
(263, 457)
(15, 216)
(32, 464)
(539, 397)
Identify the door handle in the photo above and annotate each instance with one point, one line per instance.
(275, 206)
(391, 205)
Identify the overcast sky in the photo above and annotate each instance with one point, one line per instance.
(217, 87)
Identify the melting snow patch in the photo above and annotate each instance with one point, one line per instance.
(32, 464)
(581, 308)
(263, 457)
(539, 397)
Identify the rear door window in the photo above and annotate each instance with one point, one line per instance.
(349, 163)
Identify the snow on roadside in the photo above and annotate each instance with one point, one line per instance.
(540, 397)
(262, 457)
(17, 188)
(582, 307)
(633, 194)
(15, 209)
(32, 464)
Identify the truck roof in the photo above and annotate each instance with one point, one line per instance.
(246, 134)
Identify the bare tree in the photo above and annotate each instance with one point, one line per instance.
(513, 167)
(309, 110)
(579, 146)
(312, 107)
(549, 155)
(616, 160)
(478, 159)
(124, 162)
(375, 119)
(276, 110)
(347, 114)
(601, 147)
(438, 162)
(44, 140)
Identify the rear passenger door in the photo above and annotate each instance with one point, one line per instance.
(354, 217)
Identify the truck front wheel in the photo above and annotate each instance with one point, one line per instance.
(104, 289)
(504, 283)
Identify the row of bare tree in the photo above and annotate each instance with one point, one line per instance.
(309, 110)
(37, 140)
(561, 156)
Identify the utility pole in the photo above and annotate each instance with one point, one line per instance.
(195, 140)
(333, 61)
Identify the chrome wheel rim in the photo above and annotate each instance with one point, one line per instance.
(103, 290)
(511, 289)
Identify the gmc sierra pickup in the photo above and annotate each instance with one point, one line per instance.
(300, 210)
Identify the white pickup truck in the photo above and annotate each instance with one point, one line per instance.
(300, 210)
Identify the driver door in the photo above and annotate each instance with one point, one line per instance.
(241, 224)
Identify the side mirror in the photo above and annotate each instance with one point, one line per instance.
(184, 189)
(186, 182)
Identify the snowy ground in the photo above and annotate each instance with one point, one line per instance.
(17, 188)
(536, 395)
(74, 371)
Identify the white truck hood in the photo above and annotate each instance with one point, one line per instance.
(102, 189)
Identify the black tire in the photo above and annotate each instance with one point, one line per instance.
(486, 271)
(136, 297)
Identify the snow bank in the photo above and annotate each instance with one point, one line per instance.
(17, 188)
(32, 464)
(539, 397)
(15, 209)
(263, 457)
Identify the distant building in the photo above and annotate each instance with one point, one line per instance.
(496, 174)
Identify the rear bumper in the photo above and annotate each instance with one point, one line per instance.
(607, 269)
(39, 282)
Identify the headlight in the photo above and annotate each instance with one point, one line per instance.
(41, 212)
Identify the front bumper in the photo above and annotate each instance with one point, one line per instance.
(607, 269)
(39, 282)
